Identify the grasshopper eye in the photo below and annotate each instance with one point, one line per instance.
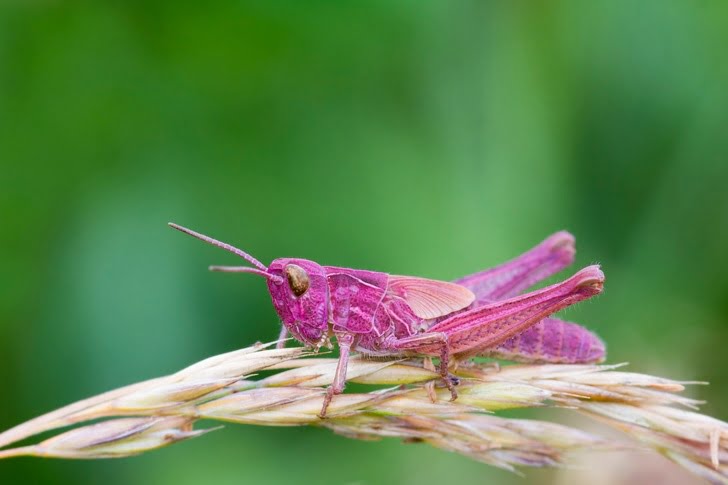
(297, 279)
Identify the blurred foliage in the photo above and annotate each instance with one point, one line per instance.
(425, 138)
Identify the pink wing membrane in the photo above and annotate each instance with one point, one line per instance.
(431, 298)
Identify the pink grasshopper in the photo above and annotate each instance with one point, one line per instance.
(385, 315)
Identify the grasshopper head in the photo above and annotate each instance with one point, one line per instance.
(298, 288)
(300, 296)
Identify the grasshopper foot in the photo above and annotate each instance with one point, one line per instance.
(452, 381)
(327, 400)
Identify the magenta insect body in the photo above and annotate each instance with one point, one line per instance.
(481, 314)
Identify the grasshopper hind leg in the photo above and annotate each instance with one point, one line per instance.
(434, 343)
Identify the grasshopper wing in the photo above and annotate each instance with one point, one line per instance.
(430, 298)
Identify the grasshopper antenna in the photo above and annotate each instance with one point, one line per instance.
(240, 269)
(263, 269)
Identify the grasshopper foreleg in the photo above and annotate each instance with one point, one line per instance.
(282, 337)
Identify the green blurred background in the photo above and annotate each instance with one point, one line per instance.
(424, 138)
